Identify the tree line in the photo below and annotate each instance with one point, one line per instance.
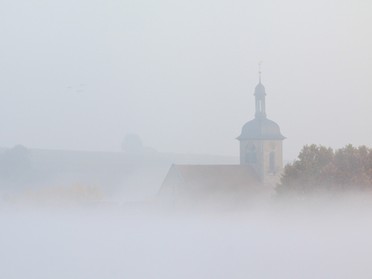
(319, 168)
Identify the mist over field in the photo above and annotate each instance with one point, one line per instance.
(315, 239)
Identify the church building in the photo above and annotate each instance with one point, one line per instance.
(260, 168)
(261, 142)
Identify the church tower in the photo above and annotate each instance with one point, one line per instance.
(261, 142)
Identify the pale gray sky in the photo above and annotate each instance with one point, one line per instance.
(79, 74)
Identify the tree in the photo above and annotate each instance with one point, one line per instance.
(319, 168)
(354, 167)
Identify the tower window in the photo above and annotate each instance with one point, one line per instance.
(272, 167)
(251, 155)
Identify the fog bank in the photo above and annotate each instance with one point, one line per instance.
(278, 240)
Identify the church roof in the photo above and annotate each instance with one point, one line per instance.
(217, 174)
(207, 180)
(261, 128)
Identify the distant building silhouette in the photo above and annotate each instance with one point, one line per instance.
(132, 144)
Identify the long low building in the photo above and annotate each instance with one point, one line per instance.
(118, 175)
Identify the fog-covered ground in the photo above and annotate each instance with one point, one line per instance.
(278, 239)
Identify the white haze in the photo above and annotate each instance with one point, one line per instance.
(82, 74)
(277, 240)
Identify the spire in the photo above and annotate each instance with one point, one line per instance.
(260, 94)
(259, 71)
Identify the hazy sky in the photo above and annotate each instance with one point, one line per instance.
(79, 74)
